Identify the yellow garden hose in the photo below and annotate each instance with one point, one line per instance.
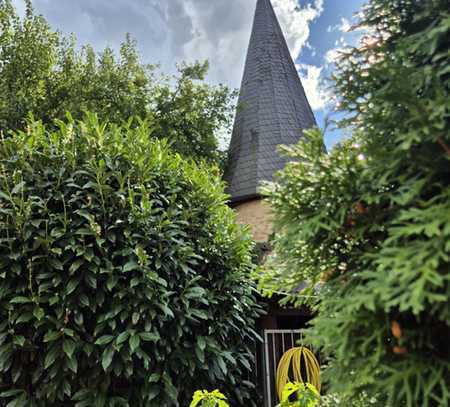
(294, 357)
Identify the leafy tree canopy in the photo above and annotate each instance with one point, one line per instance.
(123, 274)
(45, 74)
(368, 224)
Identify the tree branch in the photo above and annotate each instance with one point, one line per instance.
(443, 145)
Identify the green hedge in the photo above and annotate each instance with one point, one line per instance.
(122, 272)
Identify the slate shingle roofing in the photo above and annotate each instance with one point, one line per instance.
(272, 108)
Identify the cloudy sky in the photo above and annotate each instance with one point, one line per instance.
(170, 31)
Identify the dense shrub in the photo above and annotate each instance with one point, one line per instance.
(370, 220)
(122, 272)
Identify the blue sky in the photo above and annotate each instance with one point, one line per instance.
(170, 31)
(327, 35)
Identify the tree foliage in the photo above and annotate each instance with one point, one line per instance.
(45, 74)
(123, 275)
(368, 224)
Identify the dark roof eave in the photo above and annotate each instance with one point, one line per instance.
(237, 200)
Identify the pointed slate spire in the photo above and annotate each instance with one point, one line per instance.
(272, 108)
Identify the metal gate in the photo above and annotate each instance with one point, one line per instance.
(276, 343)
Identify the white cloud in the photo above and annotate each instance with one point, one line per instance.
(311, 76)
(295, 21)
(220, 33)
(345, 25)
(341, 45)
(333, 55)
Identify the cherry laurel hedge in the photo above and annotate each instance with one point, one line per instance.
(123, 276)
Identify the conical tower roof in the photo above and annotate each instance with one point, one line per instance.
(272, 109)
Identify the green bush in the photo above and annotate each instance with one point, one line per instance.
(122, 272)
(370, 221)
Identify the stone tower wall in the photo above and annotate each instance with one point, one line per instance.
(258, 215)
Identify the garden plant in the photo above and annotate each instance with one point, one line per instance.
(204, 398)
(299, 394)
(123, 274)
